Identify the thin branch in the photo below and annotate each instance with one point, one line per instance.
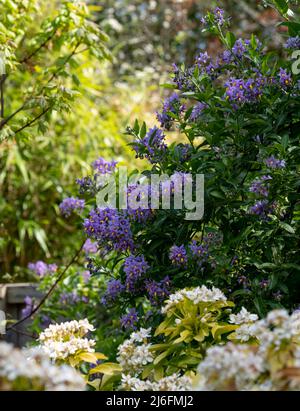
(26, 334)
(7, 119)
(33, 120)
(25, 59)
(50, 291)
(65, 62)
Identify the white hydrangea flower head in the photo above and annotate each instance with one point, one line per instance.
(196, 295)
(276, 329)
(134, 353)
(171, 383)
(230, 366)
(36, 370)
(129, 383)
(60, 341)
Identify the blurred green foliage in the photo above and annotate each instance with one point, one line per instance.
(58, 116)
(150, 35)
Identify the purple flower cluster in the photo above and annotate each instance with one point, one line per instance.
(171, 105)
(260, 186)
(152, 146)
(139, 195)
(178, 256)
(72, 298)
(158, 291)
(203, 59)
(285, 79)
(110, 228)
(29, 306)
(140, 215)
(70, 204)
(197, 111)
(134, 267)
(86, 275)
(272, 162)
(240, 91)
(199, 252)
(264, 283)
(129, 321)
(41, 269)
(206, 65)
(262, 208)
(184, 152)
(86, 185)
(104, 167)
(114, 289)
(183, 78)
(90, 247)
(293, 43)
(240, 47)
(226, 57)
(219, 16)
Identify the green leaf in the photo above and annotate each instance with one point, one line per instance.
(87, 357)
(147, 371)
(161, 356)
(282, 6)
(230, 39)
(136, 127)
(168, 85)
(143, 130)
(108, 368)
(287, 227)
(218, 330)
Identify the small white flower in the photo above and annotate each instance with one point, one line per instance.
(242, 317)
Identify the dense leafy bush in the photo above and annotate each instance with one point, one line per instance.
(238, 116)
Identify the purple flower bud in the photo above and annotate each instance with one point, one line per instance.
(293, 43)
(129, 321)
(272, 162)
(134, 268)
(159, 291)
(104, 167)
(178, 256)
(70, 204)
(171, 105)
(285, 79)
(41, 269)
(114, 289)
